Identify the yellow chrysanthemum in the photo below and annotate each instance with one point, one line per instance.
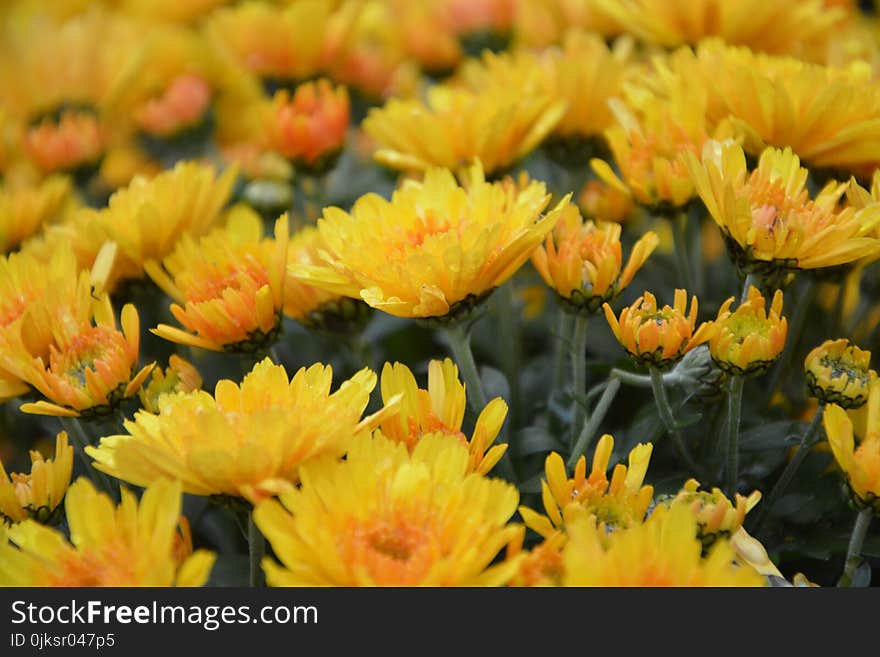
(662, 551)
(245, 441)
(600, 201)
(454, 125)
(747, 340)
(859, 463)
(717, 517)
(583, 261)
(24, 210)
(435, 248)
(617, 503)
(228, 287)
(38, 493)
(169, 11)
(838, 372)
(67, 346)
(768, 220)
(179, 376)
(785, 26)
(542, 565)
(134, 544)
(440, 409)
(388, 517)
(658, 337)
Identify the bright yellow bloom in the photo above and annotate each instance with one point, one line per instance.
(24, 210)
(169, 11)
(600, 201)
(440, 409)
(67, 346)
(245, 441)
(542, 565)
(38, 493)
(228, 287)
(454, 126)
(134, 544)
(436, 248)
(838, 372)
(583, 262)
(784, 26)
(658, 337)
(388, 517)
(618, 503)
(768, 220)
(860, 464)
(748, 340)
(716, 516)
(179, 376)
(663, 551)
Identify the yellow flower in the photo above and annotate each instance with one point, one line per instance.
(454, 126)
(25, 209)
(663, 551)
(716, 516)
(436, 248)
(181, 106)
(860, 464)
(388, 517)
(134, 544)
(583, 262)
(179, 376)
(658, 337)
(768, 220)
(73, 143)
(542, 565)
(67, 346)
(838, 372)
(602, 202)
(38, 493)
(228, 287)
(245, 441)
(617, 503)
(748, 340)
(785, 26)
(440, 409)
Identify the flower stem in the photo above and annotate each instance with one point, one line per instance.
(460, 344)
(579, 371)
(666, 415)
(806, 443)
(680, 246)
(508, 338)
(563, 331)
(595, 419)
(80, 439)
(734, 408)
(802, 301)
(751, 281)
(256, 551)
(854, 550)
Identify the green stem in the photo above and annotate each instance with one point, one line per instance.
(638, 380)
(460, 344)
(579, 371)
(734, 408)
(806, 443)
(680, 246)
(80, 439)
(256, 552)
(854, 550)
(592, 424)
(751, 281)
(563, 331)
(668, 418)
(795, 327)
(695, 226)
(508, 338)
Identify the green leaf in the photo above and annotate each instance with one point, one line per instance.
(774, 435)
(535, 440)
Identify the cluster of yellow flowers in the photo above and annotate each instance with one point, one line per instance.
(204, 195)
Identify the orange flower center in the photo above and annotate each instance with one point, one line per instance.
(76, 140)
(109, 565)
(184, 102)
(395, 551)
(96, 344)
(246, 275)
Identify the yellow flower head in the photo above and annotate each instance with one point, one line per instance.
(748, 340)
(542, 565)
(662, 551)
(147, 218)
(72, 143)
(440, 409)
(228, 287)
(388, 517)
(860, 464)
(717, 517)
(617, 503)
(179, 376)
(246, 440)
(658, 337)
(25, 209)
(838, 372)
(768, 220)
(603, 202)
(436, 248)
(38, 493)
(133, 544)
(455, 125)
(583, 261)
(181, 106)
